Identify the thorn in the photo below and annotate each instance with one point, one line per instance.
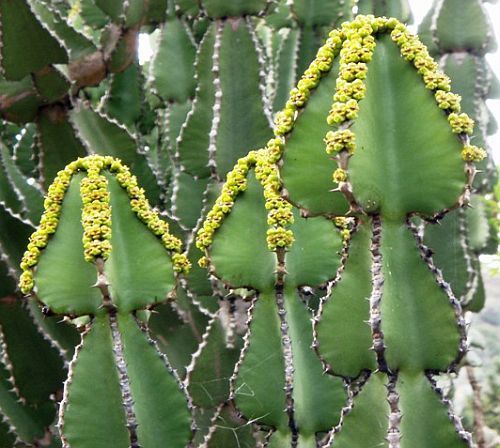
(46, 311)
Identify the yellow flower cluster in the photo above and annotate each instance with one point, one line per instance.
(279, 211)
(342, 140)
(339, 175)
(353, 70)
(358, 43)
(96, 215)
(461, 123)
(310, 78)
(344, 224)
(279, 237)
(341, 112)
(448, 101)
(236, 182)
(48, 225)
(141, 207)
(472, 153)
(356, 53)
(434, 81)
(346, 91)
(204, 262)
(299, 96)
(274, 149)
(324, 58)
(413, 50)
(284, 120)
(181, 263)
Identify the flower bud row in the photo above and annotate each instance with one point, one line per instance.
(415, 52)
(279, 211)
(356, 53)
(358, 43)
(96, 215)
(48, 225)
(344, 224)
(236, 182)
(299, 96)
(141, 207)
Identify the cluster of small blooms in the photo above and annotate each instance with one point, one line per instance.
(274, 149)
(425, 63)
(324, 58)
(279, 211)
(339, 175)
(344, 225)
(461, 123)
(284, 120)
(299, 96)
(48, 225)
(96, 215)
(346, 91)
(357, 51)
(279, 237)
(236, 182)
(414, 51)
(472, 153)
(96, 212)
(436, 80)
(353, 70)
(181, 263)
(310, 79)
(335, 40)
(342, 140)
(341, 112)
(204, 262)
(448, 101)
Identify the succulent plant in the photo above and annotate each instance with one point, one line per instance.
(416, 328)
(95, 216)
(338, 254)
